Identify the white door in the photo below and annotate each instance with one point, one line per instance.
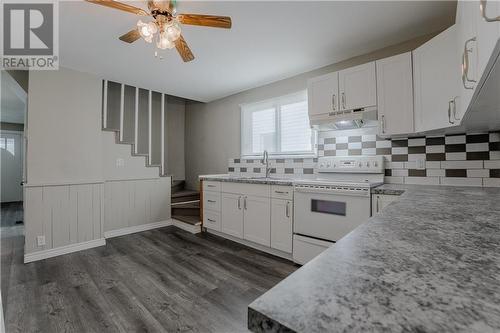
(322, 94)
(257, 220)
(395, 94)
(358, 87)
(466, 20)
(488, 33)
(281, 225)
(232, 214)
(436, 79)
(11, 147)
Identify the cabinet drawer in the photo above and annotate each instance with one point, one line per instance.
(246, 189)
(211, 200)
(211, 220)
(282, 192)
(209, 185)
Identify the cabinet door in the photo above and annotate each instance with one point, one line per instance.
(395, 94)
(257, 220)
(358, 87)
(436, 81)
(232, 214)
(488, 33)
(322, 94)
(466, 21)
(281, 225)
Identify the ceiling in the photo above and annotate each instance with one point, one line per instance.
(269, 41)
(12, 101)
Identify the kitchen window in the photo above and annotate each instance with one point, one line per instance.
(279, 125)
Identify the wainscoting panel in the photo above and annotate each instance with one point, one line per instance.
(131, 203)
(63, 214)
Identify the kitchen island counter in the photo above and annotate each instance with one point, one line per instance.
(429, 262)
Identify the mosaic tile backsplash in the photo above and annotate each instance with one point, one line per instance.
(464, 159)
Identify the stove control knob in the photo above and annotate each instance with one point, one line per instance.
(328, 164)
(367, 164)
(322, 165)
(375, 164)
(360, 164)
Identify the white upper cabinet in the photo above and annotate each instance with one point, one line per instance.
(358, 87)
(488, 30)
(323, 94)
(395, 94)
(436, 82)
(467, 14)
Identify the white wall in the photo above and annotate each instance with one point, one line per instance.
(72, 169)
(213, 129)
(175, 137)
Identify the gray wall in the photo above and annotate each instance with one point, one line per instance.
(174, 137)
(213, 129)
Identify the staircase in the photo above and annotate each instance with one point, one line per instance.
(138, 118)
(185, 204)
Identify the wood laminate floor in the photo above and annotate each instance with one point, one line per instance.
(163, 280)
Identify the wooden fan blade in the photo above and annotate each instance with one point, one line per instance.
(206, 20)
(131, 36)
(120, 6)
(183, 49)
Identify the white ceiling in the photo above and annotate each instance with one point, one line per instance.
(12, 100)
(269, 41)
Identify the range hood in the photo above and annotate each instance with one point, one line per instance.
(342, 120)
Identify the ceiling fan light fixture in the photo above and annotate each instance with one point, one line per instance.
(147, 30)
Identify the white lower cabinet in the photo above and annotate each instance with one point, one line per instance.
(281, 224)
(232, 214)
(257, 220)
(259, 215)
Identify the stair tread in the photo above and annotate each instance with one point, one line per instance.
(185, 193)
(193, 220)
(187, 205)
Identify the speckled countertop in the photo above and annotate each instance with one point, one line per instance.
(429, 262)
(248, 180)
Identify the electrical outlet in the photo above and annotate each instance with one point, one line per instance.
(120, 162)
(421, 164)
(40, 240)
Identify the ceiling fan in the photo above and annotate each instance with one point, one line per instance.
(165, 28)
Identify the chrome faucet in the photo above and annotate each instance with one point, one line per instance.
(265, 161)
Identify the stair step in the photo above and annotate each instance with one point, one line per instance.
(178, 186)
(193, 220)
(187, 209)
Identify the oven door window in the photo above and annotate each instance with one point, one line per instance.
(328, 207)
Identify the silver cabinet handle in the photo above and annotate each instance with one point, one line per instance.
(482, 8)
(378, 203)
(449, 112)
(208, 185)
(239, 202)
(210, 220)
(465, 63)
(287, 210)
(343, 101)
(211, 201)
(245, 203)
(453, 101)
(281, 192)
(334, 107)
(382, 123)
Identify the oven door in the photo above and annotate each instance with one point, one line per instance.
(328, 216)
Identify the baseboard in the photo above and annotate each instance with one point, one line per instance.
(194, 229)
(137, 228)
(30, 257)
(256, 246)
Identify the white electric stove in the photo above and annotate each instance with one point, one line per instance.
(332, 205)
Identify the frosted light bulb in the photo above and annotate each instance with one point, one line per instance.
(163, 42)
(173, 32)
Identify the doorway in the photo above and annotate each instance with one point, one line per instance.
(13, 112)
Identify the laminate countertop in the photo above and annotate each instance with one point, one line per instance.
(429, 262)
(248, 180)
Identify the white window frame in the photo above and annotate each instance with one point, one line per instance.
(275, 103)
